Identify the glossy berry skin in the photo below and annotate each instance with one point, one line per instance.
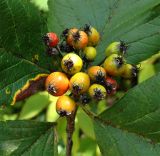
(57, 83)
(97, 74)
(65, 105)
(78, 39)
(130, 71)
(51, 39)
(114, 65)
(111, 86)
(116, 48)
(71, 63)
(93, 35)
(97, 91)
(79, 83)
(90, 53)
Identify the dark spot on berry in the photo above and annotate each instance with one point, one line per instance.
(123, 47)
(76, 89)
(84, 98)
(100, 77)
(110, 88)
(134, 71)
(46, 40)
(119, 61)
(65, 47)
(76, 36)
(51, 89)
(68, 64)
(65, 33)
(52, 51)
(98, 94)
(63, 113)
(87, 28)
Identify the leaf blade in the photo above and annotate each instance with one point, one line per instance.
(132, 21)
(22, 138)
(132, 121)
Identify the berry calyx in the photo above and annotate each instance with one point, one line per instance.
(130, 71)
(119, 48)
(97, 74)
(114, 65)
(97, 91)
(111, 86)
(77, 38)
(93, 35)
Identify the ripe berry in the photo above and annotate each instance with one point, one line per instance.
(97, 74)
(79, 83)
(51, 39)
(114, 65)
(69, 36)
(71, 63)
(97, 91)
(90, 53)
(65, 105)
(93, 35)
(78, 39)
(130, 71)
(116, 48)
(111, 86)
(57, 83)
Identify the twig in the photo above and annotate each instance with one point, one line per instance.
(70, 129)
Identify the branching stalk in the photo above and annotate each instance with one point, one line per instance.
(70, 129)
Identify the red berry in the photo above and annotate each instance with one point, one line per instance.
(51, 39)
(111, 86)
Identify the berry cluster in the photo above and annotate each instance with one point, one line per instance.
(78, 48)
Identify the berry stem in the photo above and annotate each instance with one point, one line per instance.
(70, 129)
(60, 53)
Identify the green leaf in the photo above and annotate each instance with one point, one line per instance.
(132, 125)
(147, 72)
(42, 4)
(87, 147)
(27, 138)
(34, 105)
(51, 114)
(21, 30)
(22, 52)
(85, 123)
(15, 73)
(136, 22)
